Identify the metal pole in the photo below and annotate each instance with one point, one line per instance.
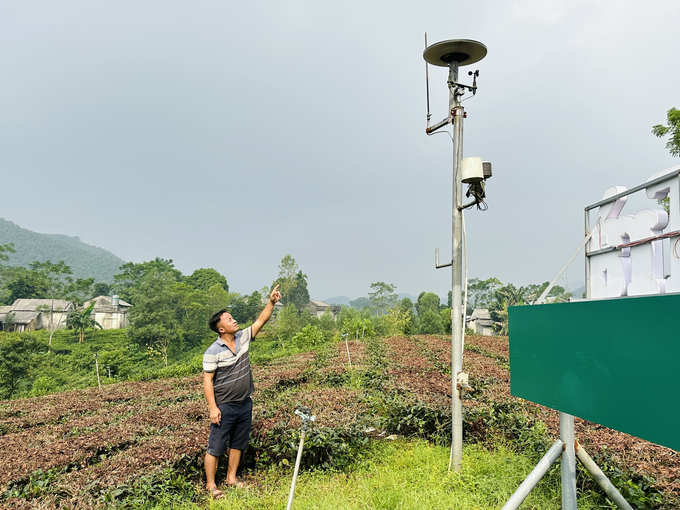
(589, 235)
(535, 476)
(568, 466)
(297, 468)
(457, 112)
(601, 479)
(96, 363)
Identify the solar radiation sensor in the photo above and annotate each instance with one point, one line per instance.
(463, 51)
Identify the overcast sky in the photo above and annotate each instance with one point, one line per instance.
(227, 134)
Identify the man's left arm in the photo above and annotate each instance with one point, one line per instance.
(274, 297)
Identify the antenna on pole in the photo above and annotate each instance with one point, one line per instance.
(427, 86)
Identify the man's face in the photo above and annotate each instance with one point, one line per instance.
(227, 324)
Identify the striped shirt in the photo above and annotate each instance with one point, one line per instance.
(233, 380)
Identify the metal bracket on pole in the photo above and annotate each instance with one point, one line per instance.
(436, 260)
(568, 449)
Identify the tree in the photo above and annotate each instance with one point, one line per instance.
(8, 321)
(504, 297)
(673, 128)
(427, 301)
(382, 296)
(22, 283)
(58, 277)
(16, 352)
(557, 293)
(360, 303)
(481, 293)
(5, 249)
(154, 320)
(292, 282)
(80, 290)
(80, 320)
(101, 289)
(132, 274)
(204, 278)
(430, 323)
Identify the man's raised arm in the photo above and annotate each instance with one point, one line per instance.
(274, 297)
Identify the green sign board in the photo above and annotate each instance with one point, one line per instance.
(615, 362)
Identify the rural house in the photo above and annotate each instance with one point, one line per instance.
(481, 322)
(34, 314)
(109, 312)
(317, 308)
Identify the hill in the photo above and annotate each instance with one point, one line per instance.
(89, 447)
(85, 260)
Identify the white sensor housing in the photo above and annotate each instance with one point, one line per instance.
(472, 170)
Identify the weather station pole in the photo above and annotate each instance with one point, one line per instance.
(453, 54)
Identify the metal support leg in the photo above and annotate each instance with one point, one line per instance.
(601, 479)
(568, 462)
(535, 476)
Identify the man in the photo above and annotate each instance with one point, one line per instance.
(228, 384)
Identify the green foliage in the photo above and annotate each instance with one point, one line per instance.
(358, 327)
(427, 301)
(309, 337)
(80, 320)
(360, 303)
(85, 260)
(430, 323)
(291, 321)
(382, 297)
(22, 283)
(204, 279)
(672, 129)
(154, 320)
(101, 289)
(17, 356)
(132, 275)
(6, 249)
(481, 293)
(327, 325)
(292, 283)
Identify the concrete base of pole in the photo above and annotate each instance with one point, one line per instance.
(535, 476)
(601, 479)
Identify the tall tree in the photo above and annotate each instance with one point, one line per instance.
(481, 293)
(58, 277)
(292, 282)
(673, 128)
(382, 296)
(427, 301)
(22, 283)
(154, 320)
(204, 278)
(132, 274)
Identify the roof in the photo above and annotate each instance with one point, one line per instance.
(480, 313)
(32, 304)
(319, 304)
(20, 317)
(104, 302)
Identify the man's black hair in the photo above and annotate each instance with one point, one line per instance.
(215, 319)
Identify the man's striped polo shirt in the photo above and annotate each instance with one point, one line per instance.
(233, 380)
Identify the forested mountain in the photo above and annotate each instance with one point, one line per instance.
(85, 260)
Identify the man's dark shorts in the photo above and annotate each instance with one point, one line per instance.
(234, 428)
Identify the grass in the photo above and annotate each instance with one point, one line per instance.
(402, 475)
